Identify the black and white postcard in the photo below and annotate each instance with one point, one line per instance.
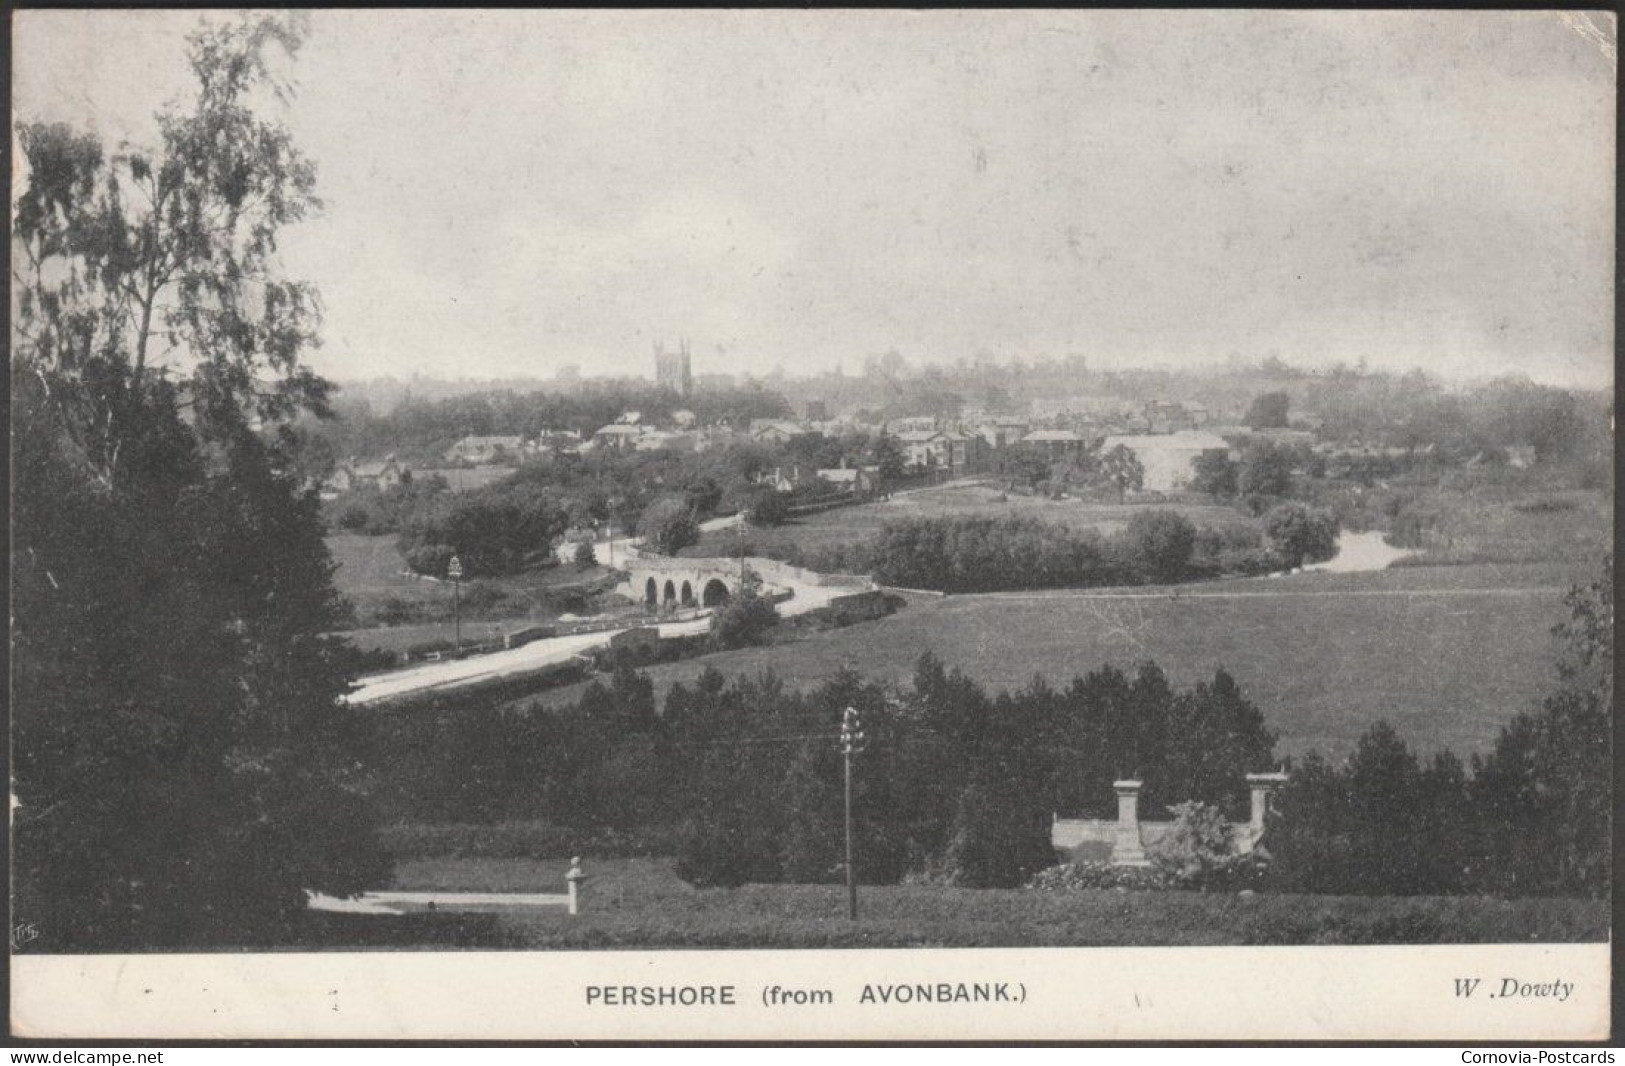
(812, 524)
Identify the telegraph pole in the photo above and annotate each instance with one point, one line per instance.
(851, 744)
(454, 570)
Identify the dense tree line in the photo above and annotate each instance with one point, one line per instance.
(745, 775)
(986, 554)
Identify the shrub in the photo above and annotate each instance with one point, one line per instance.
(1094, 876)
(1299, 533)
(1160, 544)
(585, 557)
(767, 507)
(431, 559)
(743, 620)
(1195, 851)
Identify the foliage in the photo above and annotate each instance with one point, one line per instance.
(182, 771)
(668, 526)
(766, 507)
(1548, 781)
(744, 620)
(494, 531)
(585, 557)
(1081, 876)
(1195, 851)
(1269, 411)
(1160, 544)
(1122, 469)
(985, 554)
(1265, 470)
(1215, 473)
(1301, 534)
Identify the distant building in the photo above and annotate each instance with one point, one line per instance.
(941, 449)
(673, 370)
(1167, 457)
(382, 475)
(481, 450)
(620, 436)
(858, 480)
(1056, 443)
(817, 411)
(1002, 432)
(662, 439)
(777, 430)
(683, 417)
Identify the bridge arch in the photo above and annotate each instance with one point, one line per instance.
(686, 594)
(651, 593)
(670, 596)
(715, 593)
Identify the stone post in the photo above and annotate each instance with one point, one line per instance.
(1126, 848)
(1261, 787)
(571, 879)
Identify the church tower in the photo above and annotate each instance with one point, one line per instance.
(673, 370)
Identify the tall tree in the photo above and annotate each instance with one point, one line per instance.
(1122, 468)
(179, 755)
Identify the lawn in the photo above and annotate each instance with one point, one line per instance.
(640, 903)
(1446, 654)
(851, 525)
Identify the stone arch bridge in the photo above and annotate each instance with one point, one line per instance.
(660, 581)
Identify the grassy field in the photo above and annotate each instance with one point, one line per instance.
(1446, 654)
(640, 903)
(370, 575)
(1506, 525)
(850, 525)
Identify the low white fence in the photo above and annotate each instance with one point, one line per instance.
(405, 902)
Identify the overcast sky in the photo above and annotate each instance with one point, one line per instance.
(508, 192)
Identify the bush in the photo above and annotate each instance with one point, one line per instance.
(1160, 544)
(1301, 534)
(585, 557)
(744, 620)
(1195, 852)
(767, 507)
(668, 526)
(1094, 876)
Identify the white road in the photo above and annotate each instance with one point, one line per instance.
(538, 655)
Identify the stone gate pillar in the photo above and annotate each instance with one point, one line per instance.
(1126, 847)
(1261, 787)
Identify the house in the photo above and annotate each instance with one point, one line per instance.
(622, 436)
(383, 476)
(1056, 443)
(1167, 458)
(482, 450)
(1002, 432)
(683, 417)
(857, 480)
(781, 480)
(941, 449)
(777, 430)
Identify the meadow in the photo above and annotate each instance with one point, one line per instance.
(1445, 654)
(640, 903)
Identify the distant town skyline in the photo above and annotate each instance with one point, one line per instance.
(509, 193)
